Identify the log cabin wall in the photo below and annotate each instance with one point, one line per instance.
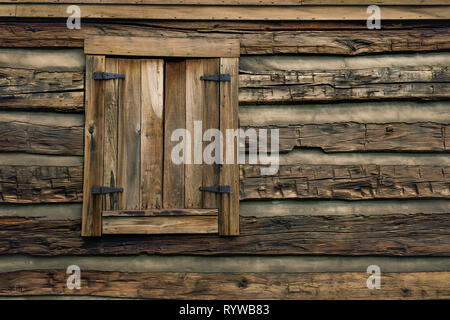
(364, 119)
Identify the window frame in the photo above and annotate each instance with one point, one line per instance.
(96, 49)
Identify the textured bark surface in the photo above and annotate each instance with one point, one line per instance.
(352, 136)
(358, 84)
(386, 235)
(346, 182)
(290, 37)
(164, 285)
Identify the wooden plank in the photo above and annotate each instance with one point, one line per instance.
(353, 235)
(351, 136)
(251, 286)
(190, 12)
(229, 174)
(161, 47)
(152, 144)
(174, 118)
(111, 134)
(21, 80)
(39, 184)
(211, 120)
(160, 225)
(196, 104)
(129, 134)
(160, 212)
(333, 85)
(245, 2)
(93, 147)
(345, 182)
(330, 137)
(262, 37)
(71, 101)
(16, 136)
(50, 184)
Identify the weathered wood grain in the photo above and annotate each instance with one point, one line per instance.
(352, 136)
(229, 170)
(24, 137)
(346, 182)
(174, 118)
(286, 37)
(129, 134)
(65, 101)
(255, 13)
(42, 184)
(160, 212)
(171, 224)
(39, 184)
(161, 47)
(152, 141)
(332, 85)
(244, 2)
(168, 285)
(386, 235)
(93, 148)
(21, 80)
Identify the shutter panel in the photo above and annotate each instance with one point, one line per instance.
(133, 120)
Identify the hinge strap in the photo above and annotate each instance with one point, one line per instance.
(216, 189)
(107, 76)
(217, 77)
(105, 190)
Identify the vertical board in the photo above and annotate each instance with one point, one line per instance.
(229, 172)
(152, 106)
(129, 138)
(210, 120)
(110, 135)
(195, 103)
(93, 147)
(174, 118)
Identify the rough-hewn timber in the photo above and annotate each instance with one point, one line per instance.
(287, 38)
(51, 184)
(165, 285)
(17, 136)
(346, 182)
(387, 235)
(40, 184)
(333, 85)
(352, 136)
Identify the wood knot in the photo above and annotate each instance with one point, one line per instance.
(243, 283)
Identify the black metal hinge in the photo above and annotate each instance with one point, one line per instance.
(107, 76)
(217, 77)
(105, 190)
(216, 189)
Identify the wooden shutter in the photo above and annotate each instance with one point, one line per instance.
(129, 123)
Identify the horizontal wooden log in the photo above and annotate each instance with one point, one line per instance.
(20, 80)
(51, 184)
(194, 224)
(40, 139)
(351, 84)
(351, 136)
(243, 2)
(288, 38)
(64, 101)
(168, 285)
(386, 235)
(40, 184)
(191, 12)
(346, 182)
